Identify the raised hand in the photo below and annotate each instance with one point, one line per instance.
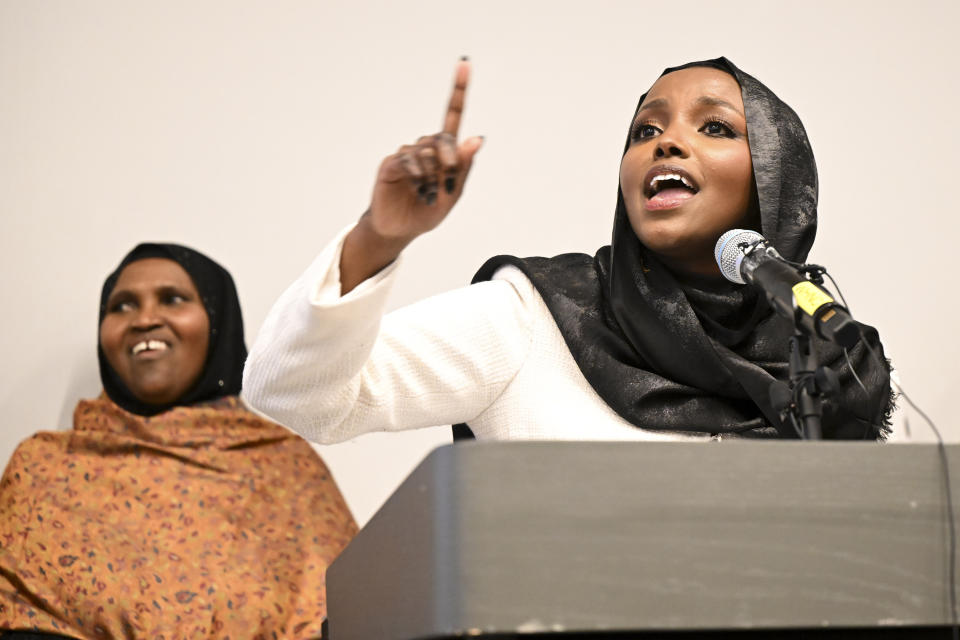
(416, 188)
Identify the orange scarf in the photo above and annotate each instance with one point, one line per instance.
(202, 521)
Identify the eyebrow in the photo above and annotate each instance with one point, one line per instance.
(162, 289)
(116, 293)
(717, 102)
(709, 101)
(653, 104)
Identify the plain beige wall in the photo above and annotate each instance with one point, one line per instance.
(252, 130)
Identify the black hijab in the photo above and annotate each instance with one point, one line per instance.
(699, 354)
(222, 372)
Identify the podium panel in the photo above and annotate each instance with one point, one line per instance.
(603, 539)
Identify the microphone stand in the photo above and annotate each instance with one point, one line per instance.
(752, 259)
(809, 381)
(807, 405)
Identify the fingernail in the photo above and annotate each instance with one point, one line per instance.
(423, 192)
(449, 184)
(431, 197)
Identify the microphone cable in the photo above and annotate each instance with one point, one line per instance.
(729, 257)
(941, 448)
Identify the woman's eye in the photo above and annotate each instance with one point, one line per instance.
(644, 131)
(174, 298)
(121, 307)
(717, 128)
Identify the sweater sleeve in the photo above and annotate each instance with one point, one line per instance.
(333, 367)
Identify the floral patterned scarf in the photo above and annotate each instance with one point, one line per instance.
(202, 521)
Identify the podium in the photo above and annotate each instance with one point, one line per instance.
(753, 539)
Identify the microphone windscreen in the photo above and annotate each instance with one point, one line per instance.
(729, 253)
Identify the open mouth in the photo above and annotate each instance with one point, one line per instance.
(668, 187)
(149, 346)
(669, 180)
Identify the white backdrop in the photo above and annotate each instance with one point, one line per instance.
(251, 130)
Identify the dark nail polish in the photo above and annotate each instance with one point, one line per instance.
(449, 184)
(431, 197)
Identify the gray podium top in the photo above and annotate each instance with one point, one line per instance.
(523, 537)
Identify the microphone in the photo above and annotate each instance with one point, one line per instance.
(745, 257)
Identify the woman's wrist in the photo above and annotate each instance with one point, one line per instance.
(366, 252)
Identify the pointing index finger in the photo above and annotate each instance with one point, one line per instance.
(451, 122)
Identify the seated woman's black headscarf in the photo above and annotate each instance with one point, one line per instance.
(699, 354)
(223, 371)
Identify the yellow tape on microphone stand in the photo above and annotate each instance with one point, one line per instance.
(810, 297)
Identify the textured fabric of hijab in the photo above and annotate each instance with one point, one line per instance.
(223, 370)
(699, 354)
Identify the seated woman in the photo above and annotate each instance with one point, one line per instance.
(643, 340)
(169, 510)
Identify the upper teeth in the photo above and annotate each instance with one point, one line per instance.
(669, 176)
(148, 344)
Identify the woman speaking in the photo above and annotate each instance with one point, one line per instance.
(644, 340)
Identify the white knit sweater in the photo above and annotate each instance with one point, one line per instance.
(332, 367)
